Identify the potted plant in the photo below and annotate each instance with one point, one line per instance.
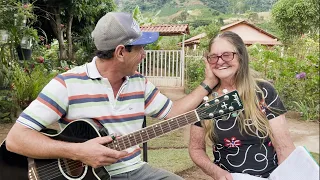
(20, 33)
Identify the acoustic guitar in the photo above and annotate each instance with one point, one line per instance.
(17, 167)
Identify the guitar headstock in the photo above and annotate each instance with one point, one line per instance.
(220, 106)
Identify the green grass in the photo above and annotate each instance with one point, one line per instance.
(174, 160)
(315, 156)
(174, 139)
(168, 10)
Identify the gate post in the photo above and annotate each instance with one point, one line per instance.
(182, 61)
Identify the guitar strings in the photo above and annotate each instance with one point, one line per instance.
(144, 133)
(73, 165)
(153, 131)
(54, 170)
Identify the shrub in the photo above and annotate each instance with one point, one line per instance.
(194, 73)
(294, 72)
(28, 82)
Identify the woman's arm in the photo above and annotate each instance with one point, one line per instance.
(282, 142)
(197, 151)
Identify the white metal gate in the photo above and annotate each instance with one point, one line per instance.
(164, 67)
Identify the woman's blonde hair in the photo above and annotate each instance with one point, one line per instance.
(246, 84)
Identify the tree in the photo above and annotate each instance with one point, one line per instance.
(219, 5)
(142, 20)
(296, 17)
(238, 6)
(62, 14)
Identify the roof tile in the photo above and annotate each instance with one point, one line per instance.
(167, 29)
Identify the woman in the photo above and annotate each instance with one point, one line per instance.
(255, 140)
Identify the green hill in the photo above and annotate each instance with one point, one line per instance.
(200, 12)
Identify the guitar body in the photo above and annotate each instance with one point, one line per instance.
(12, 166)
(15, 166)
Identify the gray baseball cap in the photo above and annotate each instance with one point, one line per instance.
(117, 28)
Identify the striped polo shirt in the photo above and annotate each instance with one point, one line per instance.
(82, 93)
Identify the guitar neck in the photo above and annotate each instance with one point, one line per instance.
(215, 108)
(154, 131)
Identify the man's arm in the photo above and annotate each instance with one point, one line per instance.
(31, 143)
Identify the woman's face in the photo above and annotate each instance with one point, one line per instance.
(226, 66)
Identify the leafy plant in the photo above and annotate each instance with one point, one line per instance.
(296, 17)
(308, 109)
(194, 73)
(28, 82)
(7, 108)
(294, 72)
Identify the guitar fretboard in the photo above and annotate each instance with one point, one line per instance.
(153, 131)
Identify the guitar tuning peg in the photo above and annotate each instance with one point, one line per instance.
(215, 94)
(205, 99)
(225, 91)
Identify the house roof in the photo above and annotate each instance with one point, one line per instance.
(167, 29)
(274, 41)
(194, 39)
(223, 28)
(269, 43)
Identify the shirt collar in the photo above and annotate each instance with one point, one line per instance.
(91, 69)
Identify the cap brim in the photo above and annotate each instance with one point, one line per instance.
(146, 38)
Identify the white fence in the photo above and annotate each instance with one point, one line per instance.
(164, 67)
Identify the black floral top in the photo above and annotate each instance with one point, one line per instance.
(238, 153)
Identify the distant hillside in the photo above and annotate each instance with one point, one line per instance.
(196, 12)
(169, 7)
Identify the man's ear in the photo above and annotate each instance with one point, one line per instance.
(119, 52)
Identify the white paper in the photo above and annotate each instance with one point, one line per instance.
(299, 165)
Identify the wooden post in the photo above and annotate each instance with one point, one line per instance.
(145, 145)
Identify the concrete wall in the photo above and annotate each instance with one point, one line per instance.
(248, 33)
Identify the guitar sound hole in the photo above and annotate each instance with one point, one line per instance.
(72, 168)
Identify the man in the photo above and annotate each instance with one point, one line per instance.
(109, 91)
